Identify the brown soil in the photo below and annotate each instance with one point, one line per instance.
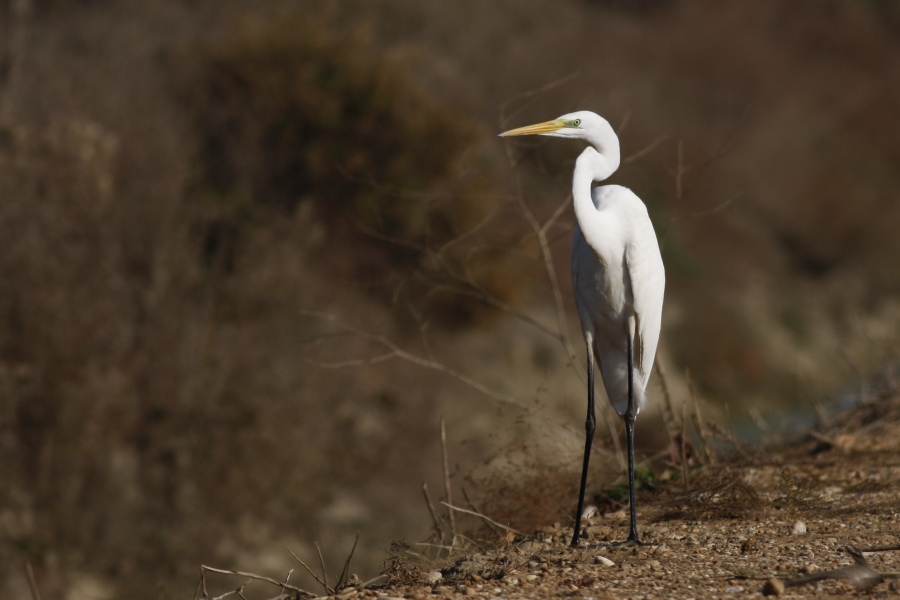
(739, 529)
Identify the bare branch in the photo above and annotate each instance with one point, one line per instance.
(668, 412)
(374, 580)
(350, 362)
(623, 124)
(881, 548)
(322, 563)
(284, 586)
(438, 522)
(477, 510)
(698, 421)
(442, 251)
(683, 448)
(711, 211)
(346, 570)
(310, 571)
(860, 575)
(415, 359)
(729, 437)
(239, 591)
(447, 488)
(32, 583)
(201, 587)
(486, 297)
(547, 257)
(484, 518)
(566, 203)
(645, 150)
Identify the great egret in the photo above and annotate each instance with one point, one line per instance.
(619, 279)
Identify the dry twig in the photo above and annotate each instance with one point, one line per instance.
(322, 563)
(645, 150)
(275, 582)
(698, 422)
(861, 575)
(447, 490)
(32, 583)
(318, 579)
(395, 351)
(668, 412)
(729, 437)
(345, 572)
(475, 508)
(683, 447)
(439, 524)
(484, 518)
(881, 548)
(239, 591)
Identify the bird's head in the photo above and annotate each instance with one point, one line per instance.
(581, 125)
(603, 160)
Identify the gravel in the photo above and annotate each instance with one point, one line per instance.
(739, 530)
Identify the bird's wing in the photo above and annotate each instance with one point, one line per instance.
(646, 284)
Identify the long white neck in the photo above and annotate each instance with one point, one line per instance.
(596, 163)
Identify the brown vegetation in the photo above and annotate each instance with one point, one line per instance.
(205, 206)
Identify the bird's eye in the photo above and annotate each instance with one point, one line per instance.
(576, 122)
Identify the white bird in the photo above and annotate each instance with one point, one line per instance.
(619, 280)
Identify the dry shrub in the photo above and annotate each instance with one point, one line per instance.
(300, 115)
(531, 486)
(156, 411)
(65, 341)
(720, 495)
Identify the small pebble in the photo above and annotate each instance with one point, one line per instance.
(602, 560)
(433, 577)
(529, 546)
(773, 587)
(799, 528)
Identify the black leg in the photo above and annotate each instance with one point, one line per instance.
(629, 417)
(589, 425)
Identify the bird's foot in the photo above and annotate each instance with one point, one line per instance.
(631, 541)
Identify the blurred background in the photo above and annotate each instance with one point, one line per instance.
(254, 251)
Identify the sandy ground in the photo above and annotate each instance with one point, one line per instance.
(757, 526)
(740, 529)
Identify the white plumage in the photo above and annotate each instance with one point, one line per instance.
(619, 281)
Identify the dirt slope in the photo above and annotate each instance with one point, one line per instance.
(781, 515)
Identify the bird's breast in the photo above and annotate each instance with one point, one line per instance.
(599, 283)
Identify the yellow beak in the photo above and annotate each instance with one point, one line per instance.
(536, 129)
